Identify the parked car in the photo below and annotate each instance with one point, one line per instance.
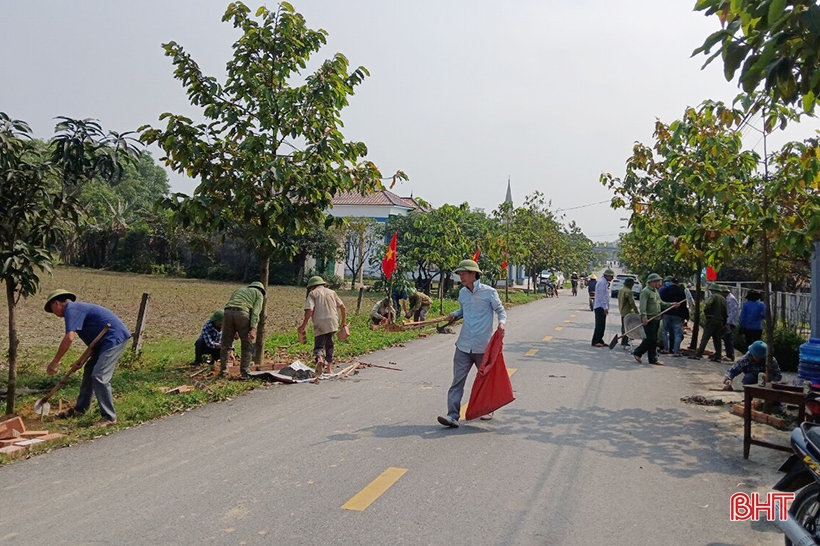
(544, 276)
(618, 283)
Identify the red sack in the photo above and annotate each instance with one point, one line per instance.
(492, 388)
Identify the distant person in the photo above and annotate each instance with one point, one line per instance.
(591, 284)
(626, 306)
(601, 308)
(419, 305)
(751, 364)
(399, 297)
(751, 318)
(323, 306)
(716, 314)
(382, 313)
(650, 307)
(732, 316)
(673, 320)
(573, 281)
(209, 342)
(241, 317)
(477, 303)
(87, 320)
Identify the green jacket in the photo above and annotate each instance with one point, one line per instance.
(651, 303)
(249, 299)
(716, 310)
(626, 302)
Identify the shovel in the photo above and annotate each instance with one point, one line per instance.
(428, 321)
(615, 339)
(42, 407)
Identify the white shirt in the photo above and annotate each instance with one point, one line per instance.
(602, 294)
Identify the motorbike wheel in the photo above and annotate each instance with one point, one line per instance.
(806, 509)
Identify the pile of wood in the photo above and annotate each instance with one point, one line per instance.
(15, 440)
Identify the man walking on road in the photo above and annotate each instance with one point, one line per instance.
(477, 304)
(673, 320)
(241, 315)
(626, 306)
(601, 308)
(651, 306)
(716, 315)
(732, 315)
(87, 320)
(321, 305)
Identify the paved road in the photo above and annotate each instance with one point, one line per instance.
(596, 450)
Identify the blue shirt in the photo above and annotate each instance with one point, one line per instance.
(477, 308)
(88, 320)
(210, 335)
(752, 315)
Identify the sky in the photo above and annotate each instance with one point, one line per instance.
(463, 96)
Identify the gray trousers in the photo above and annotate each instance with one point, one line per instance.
(462, 362)
(236, 320)
(97, 375)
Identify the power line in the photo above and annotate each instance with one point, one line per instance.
(584, 206)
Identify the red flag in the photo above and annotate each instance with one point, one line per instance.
(504, 263)
(389, 262)
(492, 388)
(477, 253)
(711, 274)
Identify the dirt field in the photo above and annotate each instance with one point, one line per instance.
(178, 307)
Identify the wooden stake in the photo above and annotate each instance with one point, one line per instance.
(138, 334)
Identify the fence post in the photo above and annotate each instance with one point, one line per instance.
(141, 323)
(783, 308)
(359, 300)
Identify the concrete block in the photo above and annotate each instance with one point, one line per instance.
(28, 443)
(12, 450)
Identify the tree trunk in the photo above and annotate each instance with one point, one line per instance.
(259, 351)
(767, 300)
(360, 272)
(696, 321)
(13, 341)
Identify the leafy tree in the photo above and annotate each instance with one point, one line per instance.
(774, 43)
(39, 201)
(271, 154)
(684, 194)
(362, 236)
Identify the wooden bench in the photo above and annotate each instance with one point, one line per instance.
(776, 393)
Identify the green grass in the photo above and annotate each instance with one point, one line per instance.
(166, 363)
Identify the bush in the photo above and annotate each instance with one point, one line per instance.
(786, 348)
(221, 272)
(335, 282)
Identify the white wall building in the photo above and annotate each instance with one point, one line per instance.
(379, 206)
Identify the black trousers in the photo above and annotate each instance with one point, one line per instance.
(729, 341)
(323, 346)
(201, 349)
(751, 335)
(650, 343)
(600, 326)
(714, 332)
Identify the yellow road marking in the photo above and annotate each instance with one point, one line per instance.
(572, 316)
(567, 321)
(547, 338)
(374, 489)
(559, 328)
(463, 412)
(531, 352)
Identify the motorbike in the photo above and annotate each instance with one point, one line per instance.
(591, 301)
(802, 470)
(549, 289)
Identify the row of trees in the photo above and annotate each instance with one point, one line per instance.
(697, 198)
